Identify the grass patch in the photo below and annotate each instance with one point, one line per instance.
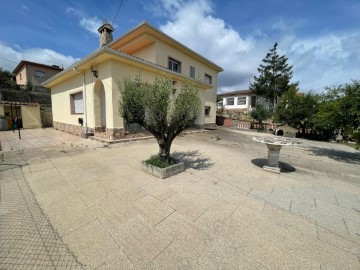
(155, 161)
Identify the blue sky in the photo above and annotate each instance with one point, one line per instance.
(321, 38)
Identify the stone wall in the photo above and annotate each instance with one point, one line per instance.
(68, 128)
(115, 133)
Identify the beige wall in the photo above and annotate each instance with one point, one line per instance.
(60, 100)
(31, 116)
(28, 74)
(2, 112)
(148, 53)
(21, 77)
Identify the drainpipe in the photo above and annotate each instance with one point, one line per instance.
(85, 111)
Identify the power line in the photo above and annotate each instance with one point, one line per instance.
(117, 12)
(8, 60)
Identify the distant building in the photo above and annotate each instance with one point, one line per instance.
(242, 100)
(34, 73)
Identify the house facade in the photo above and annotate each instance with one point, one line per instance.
(27, 72)
(88, 89)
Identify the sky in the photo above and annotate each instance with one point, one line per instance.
(320, 38)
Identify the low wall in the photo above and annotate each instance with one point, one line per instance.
(68, 128)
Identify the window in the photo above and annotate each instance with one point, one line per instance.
(241, 101)
(253, 101)
(207, 110)
(174, 65)
(192, 72)
(208, 79)
(39, 74)
(20, 76)
(230, 101)
(77, 103)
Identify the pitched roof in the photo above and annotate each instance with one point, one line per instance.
(25, 62)
(236, 93)
(108, 49)
(145, 26)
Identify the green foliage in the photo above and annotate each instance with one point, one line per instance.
(155, 107)
(297, 109)
(156, 161)
(274, 77)
(7, 79)
(339, 109)
(261, 113)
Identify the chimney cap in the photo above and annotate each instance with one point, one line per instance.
(106, 25)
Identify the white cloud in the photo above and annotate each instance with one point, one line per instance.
(90, 24)
(318, 62)
(11, 56)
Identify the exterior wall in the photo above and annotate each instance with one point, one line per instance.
(31, 116)
(2, 110)
(148, 53)
(21, 77)
(60, 99)
(30, 70)
(208, 96)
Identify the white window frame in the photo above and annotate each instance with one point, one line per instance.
(227, 101)
(174, 65)
(242, 100)
(77, 103)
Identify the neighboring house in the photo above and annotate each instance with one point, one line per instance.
(34, 74)
(88, 89)
(242, 100)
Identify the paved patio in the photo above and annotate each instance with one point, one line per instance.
(86, 205)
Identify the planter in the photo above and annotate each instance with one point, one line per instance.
(163, 172)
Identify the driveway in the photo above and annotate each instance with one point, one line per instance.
(100, 211)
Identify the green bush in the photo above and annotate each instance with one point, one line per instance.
(156, 161)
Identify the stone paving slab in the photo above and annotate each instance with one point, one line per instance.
(97, 210)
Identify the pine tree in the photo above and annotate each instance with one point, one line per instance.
(274, 77)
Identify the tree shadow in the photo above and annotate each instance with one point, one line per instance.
(338, 155)
(285, 167)
(193, 159)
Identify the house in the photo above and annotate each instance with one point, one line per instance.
(34, 74)
(87, 91)
(242, 100)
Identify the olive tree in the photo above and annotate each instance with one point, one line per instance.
(165, 113)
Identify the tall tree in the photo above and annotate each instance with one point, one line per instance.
(159, 110)
(274, 77)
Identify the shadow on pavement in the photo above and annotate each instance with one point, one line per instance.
(193, 159)
(338, 155)
(285, 168)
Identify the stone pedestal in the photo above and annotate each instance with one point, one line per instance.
(272, 163)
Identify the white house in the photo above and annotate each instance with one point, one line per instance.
(242, 100)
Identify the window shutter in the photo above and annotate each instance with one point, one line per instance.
(192, 72)
(78, 103)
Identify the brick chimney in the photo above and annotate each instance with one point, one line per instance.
(106, 34)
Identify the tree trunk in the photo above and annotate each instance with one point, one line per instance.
(164, 150)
